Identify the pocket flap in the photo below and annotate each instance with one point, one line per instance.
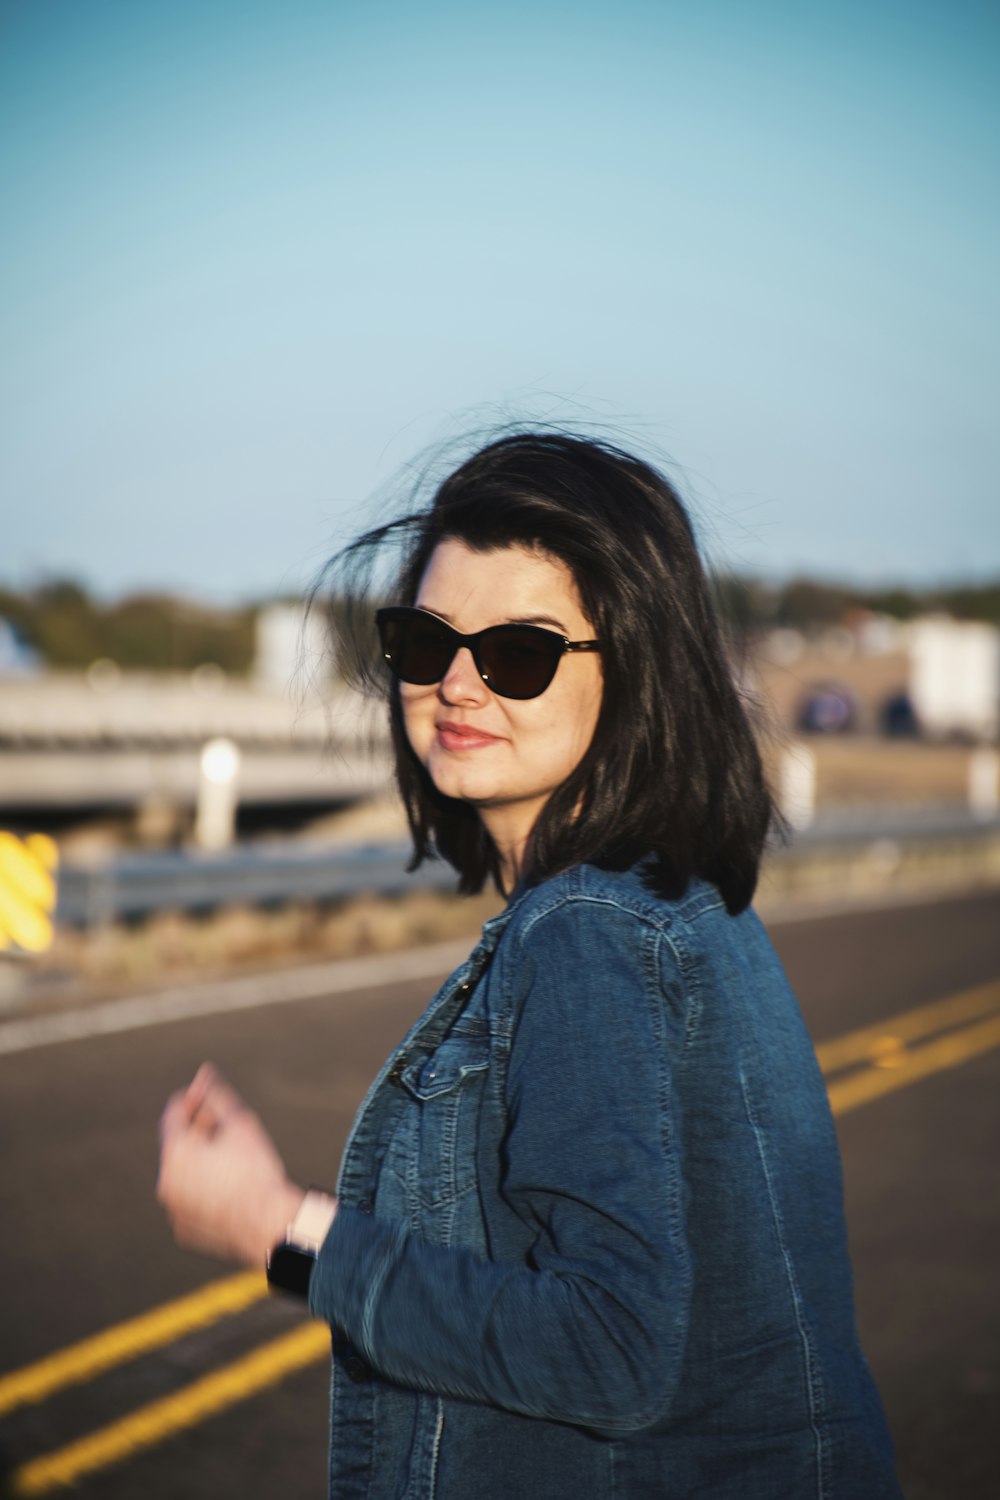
(457, 1058)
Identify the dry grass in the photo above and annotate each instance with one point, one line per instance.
(172, 945)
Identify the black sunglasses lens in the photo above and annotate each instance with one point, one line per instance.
(419, 650)
(519, 662)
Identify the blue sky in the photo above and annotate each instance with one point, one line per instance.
(254, 257)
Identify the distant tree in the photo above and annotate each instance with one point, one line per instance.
(62, 593)
(64, 623)
(900, 603)
(745, 604)
(17, 608)
(149, 632)
(973, 602)
(160, 632)
(805, 604)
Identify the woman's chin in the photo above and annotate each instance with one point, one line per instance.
(464, 787)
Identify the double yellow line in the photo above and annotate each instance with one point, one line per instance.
(185, 1408)
(877, 1060)
(862, 1066)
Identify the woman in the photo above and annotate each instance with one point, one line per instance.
(587, 1237)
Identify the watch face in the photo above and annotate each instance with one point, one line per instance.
(290, 1269)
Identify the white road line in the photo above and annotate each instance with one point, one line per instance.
(224, 995)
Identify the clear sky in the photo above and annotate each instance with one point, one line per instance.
(254, 257)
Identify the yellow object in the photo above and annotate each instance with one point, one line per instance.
(28, 869)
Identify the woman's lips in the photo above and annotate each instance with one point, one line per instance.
(463, 737)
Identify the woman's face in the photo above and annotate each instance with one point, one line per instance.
(505, 756)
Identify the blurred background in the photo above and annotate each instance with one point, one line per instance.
(258, 261)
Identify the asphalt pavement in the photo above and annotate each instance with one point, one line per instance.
(128, 1367)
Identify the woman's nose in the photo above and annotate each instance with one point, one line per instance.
(462, 682)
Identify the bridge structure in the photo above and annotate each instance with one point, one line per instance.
(78, 742)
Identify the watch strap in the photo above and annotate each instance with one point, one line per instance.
(290, 1269)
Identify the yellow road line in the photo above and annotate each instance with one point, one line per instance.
(127, 1340)
(160, 1419)
(912, 1065)
(865, 1045)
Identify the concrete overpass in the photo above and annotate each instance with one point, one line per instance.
(75, 741)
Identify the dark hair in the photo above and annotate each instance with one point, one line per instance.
(684, 784)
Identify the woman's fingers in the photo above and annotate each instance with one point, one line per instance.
(175, 1117)
(206, 1104)
(200, 1084)
(218, 1105)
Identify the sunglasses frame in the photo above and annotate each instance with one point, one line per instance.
(472, 642)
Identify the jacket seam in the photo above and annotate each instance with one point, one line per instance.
(690, 983)
(589, 898)
(671, 1158)
(813, 1381)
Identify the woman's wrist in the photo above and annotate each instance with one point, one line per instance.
(279, 1214)
(311, 1223)
(303, 1217)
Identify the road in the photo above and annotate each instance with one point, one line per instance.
(224, 1392)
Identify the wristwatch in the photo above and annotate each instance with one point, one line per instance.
(290, 1264)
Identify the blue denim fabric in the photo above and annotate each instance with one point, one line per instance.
(591, 1240)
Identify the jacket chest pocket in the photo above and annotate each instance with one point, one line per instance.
(445, 1091)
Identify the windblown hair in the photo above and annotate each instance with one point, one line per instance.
(673, 771)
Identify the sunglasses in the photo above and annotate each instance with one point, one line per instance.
(516, 661)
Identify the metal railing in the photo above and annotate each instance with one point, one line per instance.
(131, 886)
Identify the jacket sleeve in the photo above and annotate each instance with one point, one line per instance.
(590, 1328)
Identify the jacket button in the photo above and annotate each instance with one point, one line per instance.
(357, 1369)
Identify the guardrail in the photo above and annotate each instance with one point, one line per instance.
(132, 886)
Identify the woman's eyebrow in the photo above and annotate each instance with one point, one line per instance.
(538, 620)
(511, 619)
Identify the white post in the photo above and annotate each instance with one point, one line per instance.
(215, 818)
(984, 782)
(797, 786)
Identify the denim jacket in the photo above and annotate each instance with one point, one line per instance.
(590, 1239)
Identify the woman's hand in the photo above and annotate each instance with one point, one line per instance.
(221, 1180)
